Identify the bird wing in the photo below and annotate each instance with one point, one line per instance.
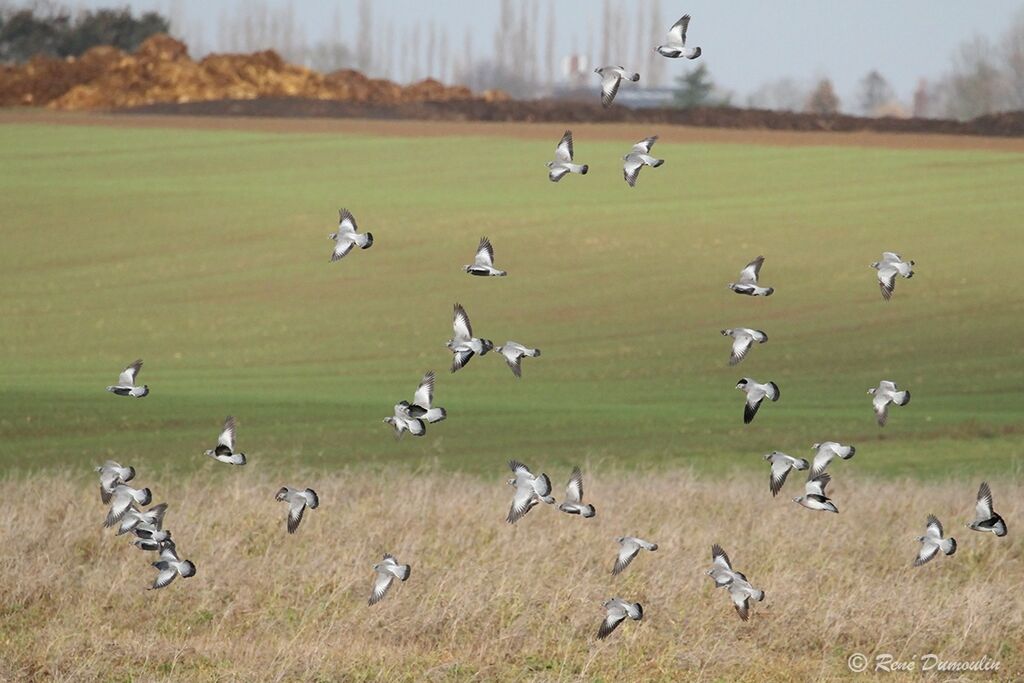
(616, 615)
(631, 170)
(425, 391)
(541, 485)
(461, 325)
(677, 34)
(342, 246)
(564, 152)
(165, 576)
(574, 489)
(886, 385)
(127, 376)
(120, 501)
(928, 550)
(740, 599)
(460, 359)
(381, 584)
(227, 436)
(719, 558)
(891, 257)
(780, 470)
(749, 274)
(740, 346)
(485, 253)
(934, 527)
(346, 222)
(513, 358)
(609, 87)
(644, 146)
(295, 509)
(821, 460)
(815, 486)
(983, 509)
(887, 281)
(557, 172)
(627, 551)
(520, 470)
(522, 501)
(881, 404)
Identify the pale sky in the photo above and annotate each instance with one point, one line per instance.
(746, 43)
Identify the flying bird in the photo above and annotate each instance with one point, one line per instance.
(563, 160)
(932, 542)
(884, 394)
(814, 497)
(111, 474)
(611, 78)
(637, 158)
(298, 500)
(724, 576)
(483, 264)
(573, 503)
(150, 539)
(402, 421)
(171, 566)
(514, 353)
(743, 339)
(133, 518)
(617, 610)
(387, 570)
(888, 268)
(748, 280)
(825, 452)
(675, 45)
(348, 236)
(531, 490)
(985, 518)
(422, 400)
(225, 450)
(782, 464)
(721, 571)
(126, 382)
(463, 344)
(756, 393)
(629, 547)
(122, 498)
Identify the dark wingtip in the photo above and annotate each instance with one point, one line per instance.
(586, 168)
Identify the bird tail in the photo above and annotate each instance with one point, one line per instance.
(487, 344)
(316, 499)
(657, 162)
(405, 571)
(584, 169)
(759, 596)
(803, 464)
(589, 511)
(435, 415)
(145, 497)
(769, 291)
(902, 398)
(948, 546)
(636, 611)
(533, 353)
(696, 53)
(831, 507)
(365, 241)
(851, 450)
(634, 77)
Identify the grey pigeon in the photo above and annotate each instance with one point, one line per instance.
(616, 611)
(513, 352)
(298, 500)
(611, 78)
(402, 421)
(629, 547)
(748, 280)
(126, 382)
(932, 542)
(421, 407)
(111, 474)
(724, 576)
(888, 268)
(387, 570)
(483, 263)
(573, 503)
(153, 518)
(756, 393)
(884, 394)
(675, 44)
(463, 344)
(122, 498)
(171, 566)
(563, 162)
(985, 518)
(814, 497)
(825, 452)
(348, 236)
(743, 339)
(225, 449)
(637, 158)
(531, 490)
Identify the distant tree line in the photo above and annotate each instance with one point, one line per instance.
(57, 33)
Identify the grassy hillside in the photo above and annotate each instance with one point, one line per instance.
(206, 254)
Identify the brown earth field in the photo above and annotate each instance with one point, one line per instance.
(673, 133)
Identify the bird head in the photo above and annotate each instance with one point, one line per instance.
(742, 384)
(768, 456)
(449, 344)
(872, 390)
(815, 446)
(511, 482)
(874, 265)
(726, 333)
(597, 71)
(798, 499)
(281, 493)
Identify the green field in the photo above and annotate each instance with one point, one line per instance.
(206, 254)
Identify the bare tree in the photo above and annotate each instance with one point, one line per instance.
(1013, 61)
(974, 86)
(875, 92)
(823, 99)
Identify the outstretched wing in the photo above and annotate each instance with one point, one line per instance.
(346, 222)
(740, 346)
(780, 470)
(815, 486)
(616, 616)
(424, 395)
(342, 246)
(574, 489)
(677, 34)
(934, 527)
(749, 273)
(556, 173)
(644, 146)
(563, 152)
(485, 253)
(983, 509)
(295, 511)
(719, 557)
(627, 552)
(460, 323)
(227, 436)
(127, 376)
(631, 170)
(609, 87)
(380, 586)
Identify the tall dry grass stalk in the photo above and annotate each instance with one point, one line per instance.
(487, 601)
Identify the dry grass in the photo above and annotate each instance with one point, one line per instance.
(491, 602)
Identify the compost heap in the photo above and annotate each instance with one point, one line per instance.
(161, 71)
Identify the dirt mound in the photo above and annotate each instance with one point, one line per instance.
(481, 109)
(161, 71)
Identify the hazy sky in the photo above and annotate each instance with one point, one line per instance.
(746, 42)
